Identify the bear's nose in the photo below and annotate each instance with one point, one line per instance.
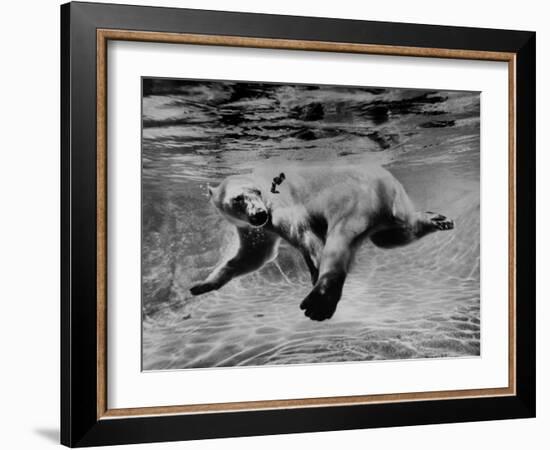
(259, 218)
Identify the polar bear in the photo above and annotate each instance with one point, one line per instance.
(324, 211)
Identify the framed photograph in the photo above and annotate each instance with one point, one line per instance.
(277, 224)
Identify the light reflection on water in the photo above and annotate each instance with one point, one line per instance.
(418, 301)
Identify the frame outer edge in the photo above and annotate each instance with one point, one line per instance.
(307, 28)
(65, 334)
(79, 428)
(79, 262)
(526, 224)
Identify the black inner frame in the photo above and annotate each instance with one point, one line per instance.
(79, 424)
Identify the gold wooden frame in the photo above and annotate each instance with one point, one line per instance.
(104, 35)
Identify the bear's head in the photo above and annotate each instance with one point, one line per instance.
(240, 201)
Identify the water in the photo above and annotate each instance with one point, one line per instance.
(419, 301)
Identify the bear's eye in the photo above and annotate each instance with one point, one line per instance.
(238, 199)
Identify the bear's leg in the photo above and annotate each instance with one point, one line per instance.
(393, 237)
(311, 247)
(256, 247)
(312, 266)
(403, 233)
(320, 304)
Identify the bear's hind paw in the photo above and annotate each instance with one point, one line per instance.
(318, 307)
(440, 222)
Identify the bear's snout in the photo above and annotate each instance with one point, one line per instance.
(259, 218)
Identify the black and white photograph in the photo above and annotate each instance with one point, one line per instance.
(292, 223)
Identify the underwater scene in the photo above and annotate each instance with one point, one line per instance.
(417, 301)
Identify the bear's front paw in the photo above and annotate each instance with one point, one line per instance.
(321, 302)
(201, 288)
